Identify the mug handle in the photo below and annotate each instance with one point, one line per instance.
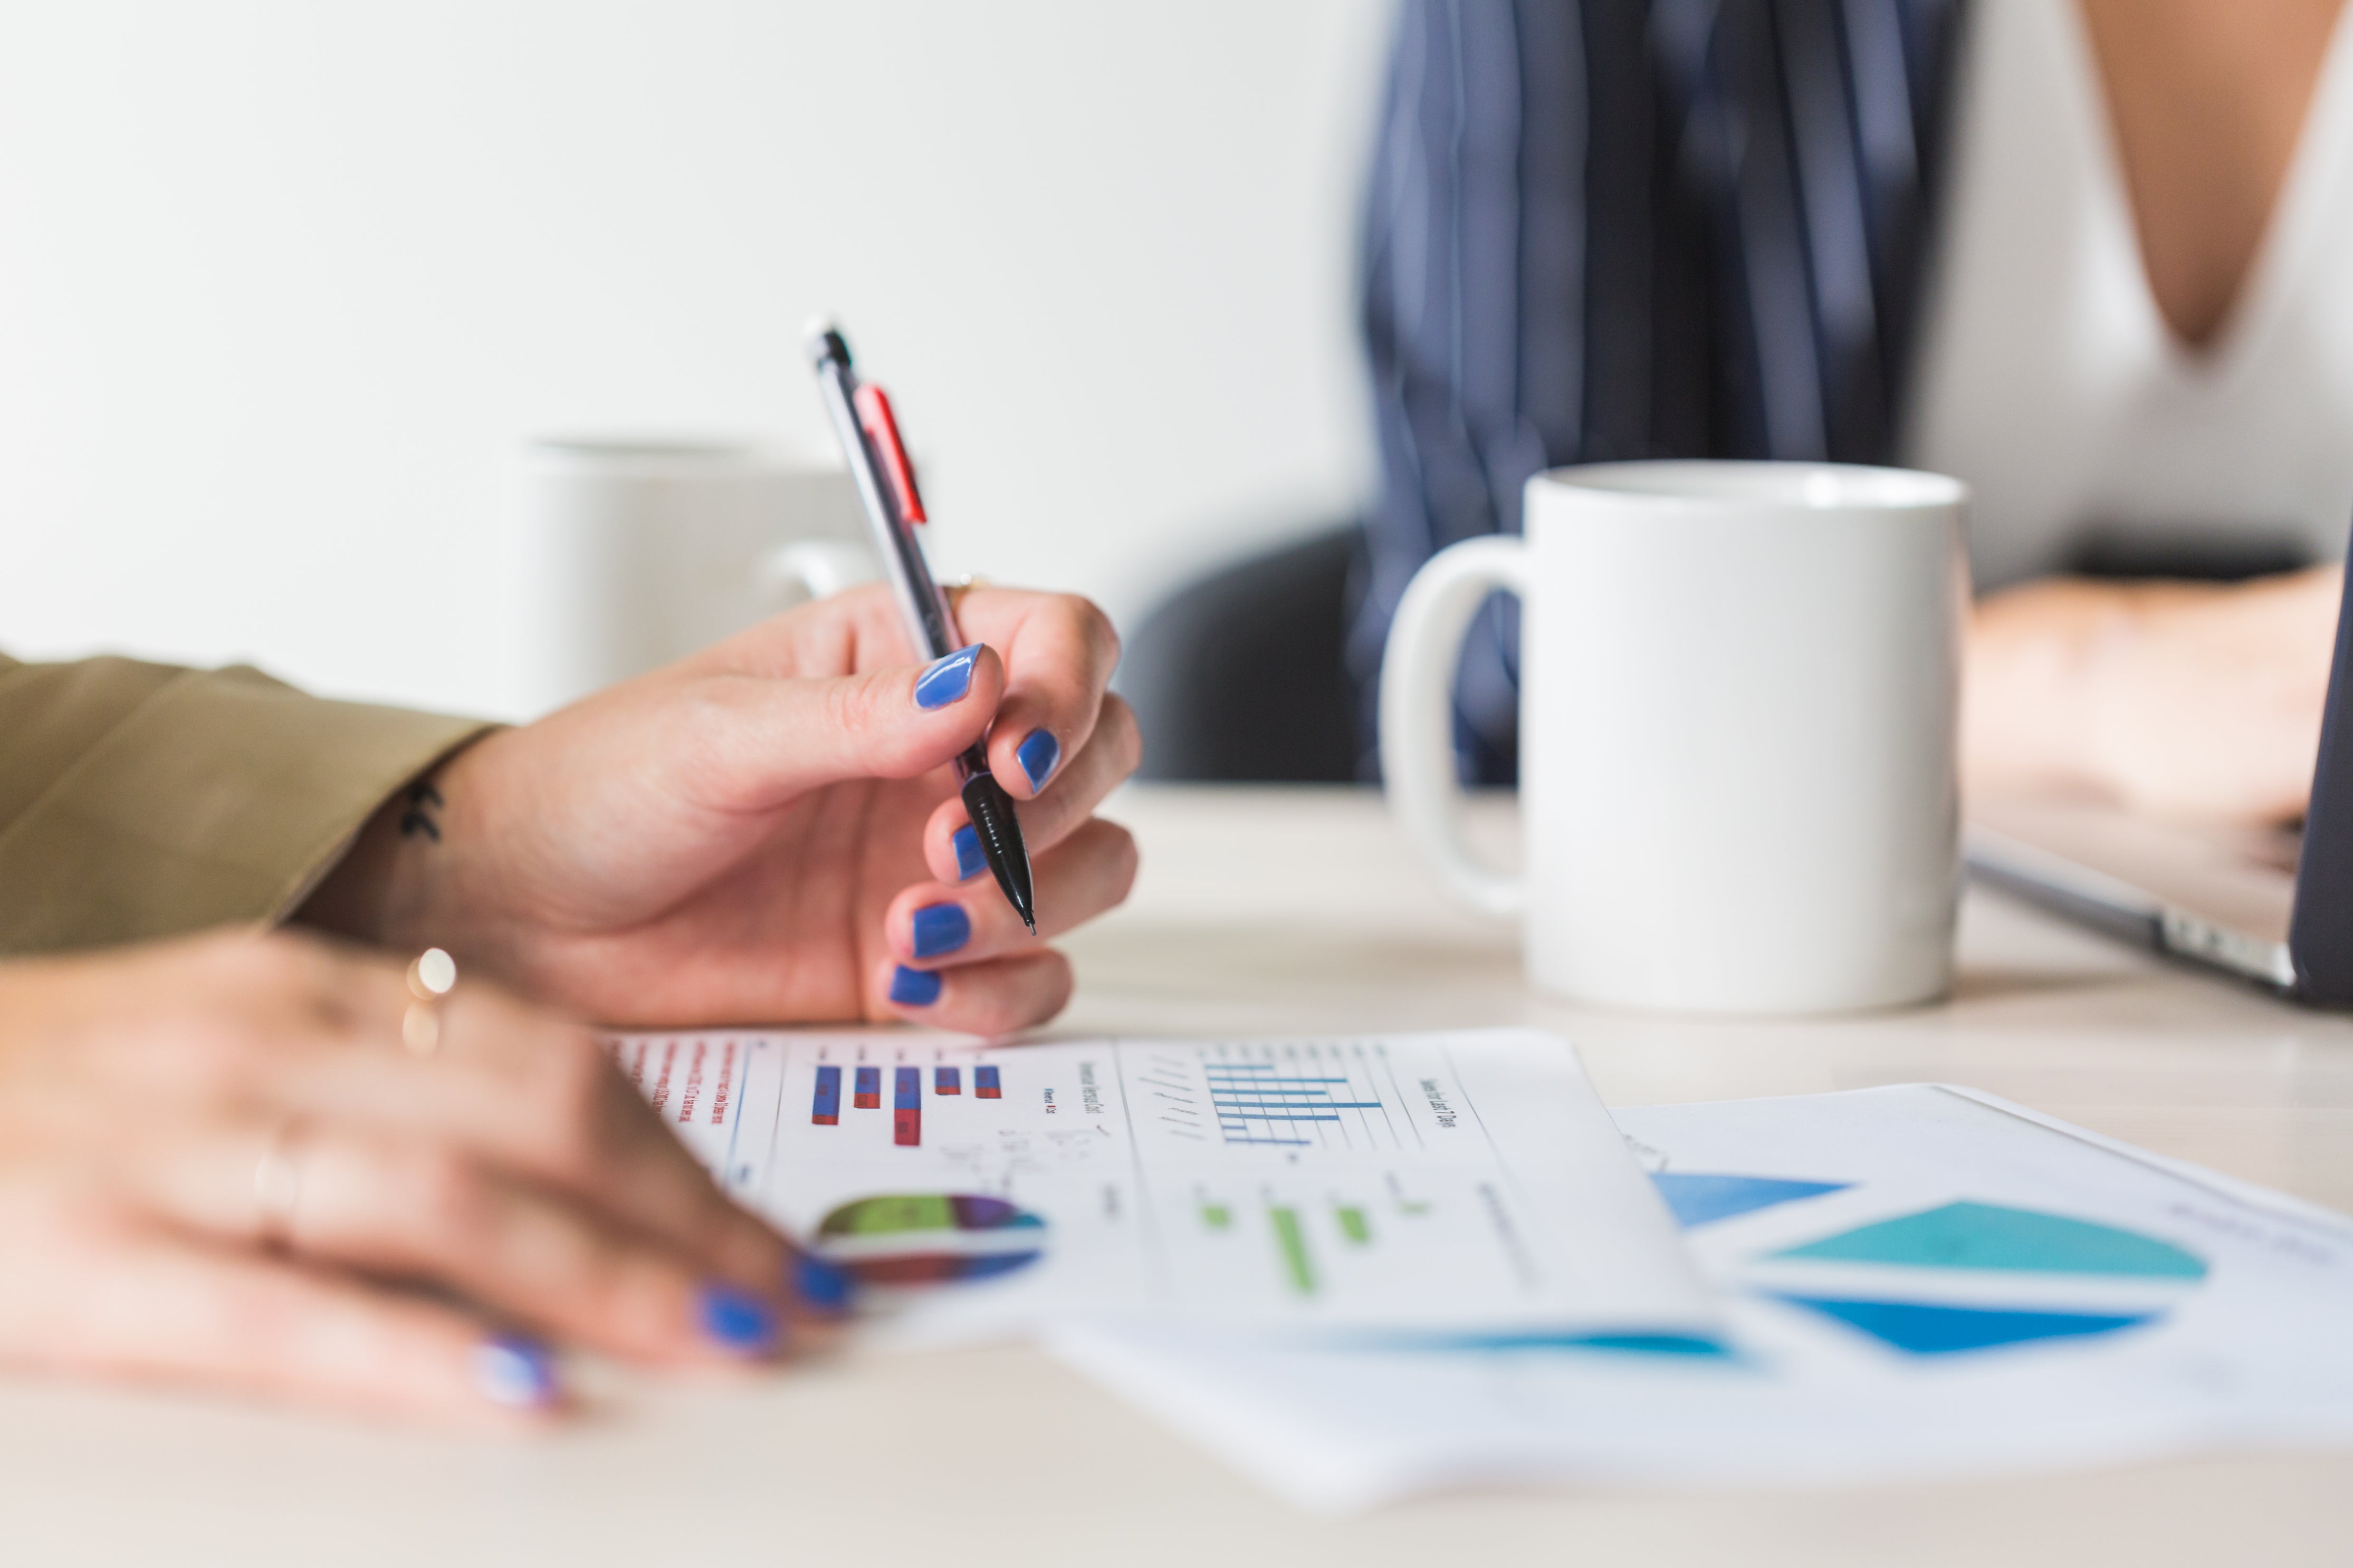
(811, 569)
(1417, 709)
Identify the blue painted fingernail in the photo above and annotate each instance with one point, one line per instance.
(1038, 756)
(914, 987)
(970, 861)
(515, 1370)
(737, 1320)
(822, 1285)
(947, 679)
(941, 927)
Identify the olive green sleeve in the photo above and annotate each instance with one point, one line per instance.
(140, 800)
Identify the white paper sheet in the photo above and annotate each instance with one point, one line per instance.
(1919, 1281)
(1435, 1181)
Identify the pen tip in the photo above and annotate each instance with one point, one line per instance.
(822, 336)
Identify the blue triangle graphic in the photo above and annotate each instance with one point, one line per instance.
(1698, 1199)
(1923, 1330)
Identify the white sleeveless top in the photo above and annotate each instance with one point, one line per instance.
(2049, 380)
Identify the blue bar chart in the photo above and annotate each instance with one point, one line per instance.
(1318, 1100)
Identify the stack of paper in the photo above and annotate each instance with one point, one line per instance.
(1433, 1182)
(1917, 1281)
(1362, 1268)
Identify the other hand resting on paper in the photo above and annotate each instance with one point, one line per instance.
(766, 832)
(216, 1158)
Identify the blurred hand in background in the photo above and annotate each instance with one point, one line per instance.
(2196, 700)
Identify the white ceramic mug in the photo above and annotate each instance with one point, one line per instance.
(638, 553)
(1738, 696)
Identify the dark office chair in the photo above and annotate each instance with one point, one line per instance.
(2185, 552)
(1238, 677)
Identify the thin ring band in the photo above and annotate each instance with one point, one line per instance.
(277, 1185)
(432, 975)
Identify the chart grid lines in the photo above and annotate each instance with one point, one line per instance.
(1303, 1100)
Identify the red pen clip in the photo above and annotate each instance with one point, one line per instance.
(874, 416)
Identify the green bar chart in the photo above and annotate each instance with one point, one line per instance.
(1298, 1266)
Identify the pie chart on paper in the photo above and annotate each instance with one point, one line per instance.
(1954, 1276)
(916, 1239)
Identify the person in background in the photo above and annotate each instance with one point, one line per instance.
(228, 1154)
(2086, 255)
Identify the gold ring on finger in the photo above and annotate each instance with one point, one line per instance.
(277, 1185)
(431, 977)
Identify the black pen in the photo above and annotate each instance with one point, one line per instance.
(886, 483)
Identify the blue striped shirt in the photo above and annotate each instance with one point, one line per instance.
(1605, 229)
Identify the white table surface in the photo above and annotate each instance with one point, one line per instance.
(1263, 911)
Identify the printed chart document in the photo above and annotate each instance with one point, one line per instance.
(1458, 1181)
(1918, 1280)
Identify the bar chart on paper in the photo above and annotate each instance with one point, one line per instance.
(1310, 1180)
(907, 1095)
(1318, 1097)
(1323, 1100)
(1326, 1169)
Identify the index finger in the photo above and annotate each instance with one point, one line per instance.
(1060, 652)
(639, 1170)
(139, 1303)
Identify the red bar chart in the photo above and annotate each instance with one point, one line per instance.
(907, 1090)
(907, 1107)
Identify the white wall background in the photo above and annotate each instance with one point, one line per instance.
(285, 287)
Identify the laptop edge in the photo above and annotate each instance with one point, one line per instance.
(2320, 929)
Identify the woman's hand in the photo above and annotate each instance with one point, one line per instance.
(219, 1165)
(2174, 699)
(769, 830)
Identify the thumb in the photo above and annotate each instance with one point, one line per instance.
(772, 739)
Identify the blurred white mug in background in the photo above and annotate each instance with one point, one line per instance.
(1739, 686)
(638, 553)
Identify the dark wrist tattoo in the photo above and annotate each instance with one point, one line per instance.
(417, 813)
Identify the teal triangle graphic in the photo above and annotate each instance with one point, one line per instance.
(1697, 1199)
(1987, 1235)
(1923, 1330)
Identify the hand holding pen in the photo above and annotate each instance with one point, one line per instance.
(993, 835)
(869, 432)
(771, 830)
